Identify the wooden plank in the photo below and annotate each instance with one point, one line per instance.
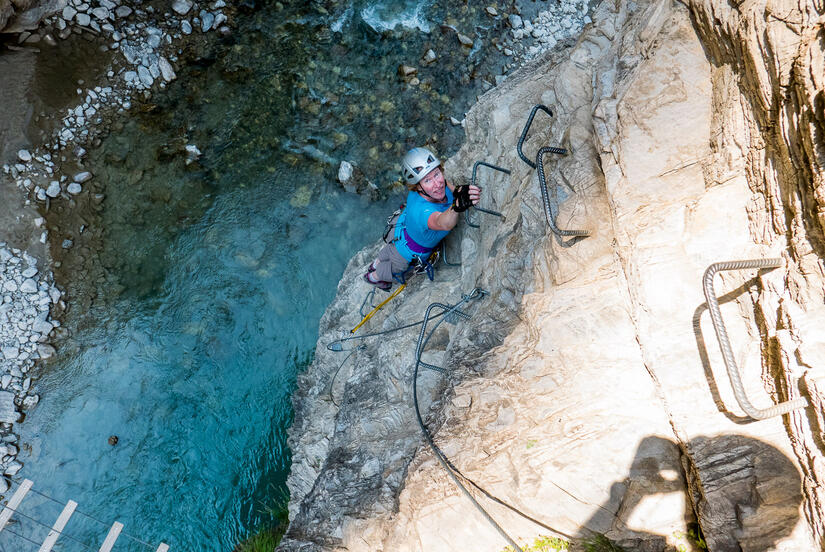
(162, 548)
(114, 533)
(14, 502)
(58, 526)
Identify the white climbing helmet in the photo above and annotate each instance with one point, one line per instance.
(417, 163)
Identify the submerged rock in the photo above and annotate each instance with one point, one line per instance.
(182, 7)
(8, 411)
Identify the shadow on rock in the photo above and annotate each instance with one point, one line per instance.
(744, 492)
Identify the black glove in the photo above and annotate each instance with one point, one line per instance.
(461, 198)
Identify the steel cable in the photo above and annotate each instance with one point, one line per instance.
(50, 528)
(451, 469)
(84, 514)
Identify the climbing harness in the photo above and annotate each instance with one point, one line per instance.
(418, 266)
(392, 222)
(724, 342)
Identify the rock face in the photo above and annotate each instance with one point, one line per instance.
(587, 389)
(21, 15)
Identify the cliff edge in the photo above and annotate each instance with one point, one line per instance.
(587, 388)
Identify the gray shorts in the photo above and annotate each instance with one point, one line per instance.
(390, 261)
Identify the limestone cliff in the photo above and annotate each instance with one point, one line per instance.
(587, 389)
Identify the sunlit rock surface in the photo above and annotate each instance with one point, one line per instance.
(588, 389)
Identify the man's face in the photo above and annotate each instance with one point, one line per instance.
(433, 183)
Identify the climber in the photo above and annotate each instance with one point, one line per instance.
(431, 211)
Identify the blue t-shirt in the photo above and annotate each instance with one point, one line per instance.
(416, 214)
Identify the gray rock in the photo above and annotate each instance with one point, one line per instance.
(8, 412)
(123, 11)
(28, 286)
(5, 381)
(44, 350)
(130, 76)
(74, 188)
(185, 27)
(515, 21)
(145, 76)
(82, 177)
(69, 13)
(10, 352)
(153, 40)
(10, 285)
(83, 19)
(13, 468)
(67, 244)
(166, 69)
(42, 327)
(429, 56)
(465, 40)
(192, 151)
(370, 468)
(30, 401)
(491, 11)
(207, 19)
(345, 173)
(101, 13)
(24, 155)
(54, 189)
(182, 7)
(29, 272)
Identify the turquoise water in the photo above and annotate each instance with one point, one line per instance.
(196, 381)
(218, 271)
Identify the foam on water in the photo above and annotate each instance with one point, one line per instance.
(386, 16)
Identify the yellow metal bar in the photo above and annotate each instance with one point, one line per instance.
(376, 309)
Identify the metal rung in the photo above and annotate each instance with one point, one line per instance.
(58, 526)
(488, 211)
(114, 533)
(14, 502)
(724, 342)
(526, 129)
